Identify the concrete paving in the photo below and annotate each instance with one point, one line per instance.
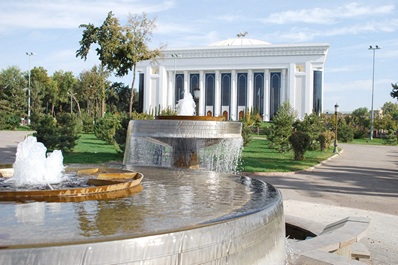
(360, 182)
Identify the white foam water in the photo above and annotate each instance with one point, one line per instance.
(186, 105)
(32, 167)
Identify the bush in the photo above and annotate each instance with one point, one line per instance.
(105, 128)
(9, 121)
(300, 142)
(313, 125)
(345, 133)
(57, 133)
(88, 123)
(325, 139)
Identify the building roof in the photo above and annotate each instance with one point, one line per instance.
(239, 41)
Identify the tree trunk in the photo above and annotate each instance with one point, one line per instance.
(132, 92)
(102, 92)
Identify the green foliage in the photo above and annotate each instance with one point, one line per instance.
(167, 112)
(87, 122)
(9, 121)
(281, 128)
(57, 133)
(313, 125)
(105, 128)
(300, 142)
(325, 139)
(390, 138)
(394, 91)
(345, 132)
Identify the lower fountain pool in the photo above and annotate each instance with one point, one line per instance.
(178, 217)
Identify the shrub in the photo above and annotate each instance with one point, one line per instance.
(60, 133)
(88, 123)
(300, 142)
(345, 133)
(313, 125)
(325, 139)
(9, 121)
(105, 128)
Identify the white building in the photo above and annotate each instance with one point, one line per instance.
(237, 75)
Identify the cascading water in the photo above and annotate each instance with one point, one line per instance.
(186, 105)
(32, 167)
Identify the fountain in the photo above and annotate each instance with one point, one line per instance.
(189, 211)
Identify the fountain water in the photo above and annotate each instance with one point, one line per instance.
(32, 167)
(181, 216)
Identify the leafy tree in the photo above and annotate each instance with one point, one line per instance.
(391, 109)
(13, 97)
(345, 132)
(281, 128)
(40, 86)
(137, 33)
(63, 87)
(108, 37)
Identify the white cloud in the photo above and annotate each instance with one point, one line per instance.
(327, 16)
(49, 14)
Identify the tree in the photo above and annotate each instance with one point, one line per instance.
(391, 109)
(394, 91)
(13, 97)
(281, 128)
(40, 86)
(137, 33)
(108, 37)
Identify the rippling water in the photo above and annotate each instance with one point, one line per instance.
(169, 200)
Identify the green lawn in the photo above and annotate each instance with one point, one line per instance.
(90, 150)
(375, 141)
(257, 157)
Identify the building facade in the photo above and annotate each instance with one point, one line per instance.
(235, 76)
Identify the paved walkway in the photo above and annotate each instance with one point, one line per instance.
(8, 144)
(360, 182)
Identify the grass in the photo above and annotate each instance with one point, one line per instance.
(375, 141)
(257, 157)
(90, 150)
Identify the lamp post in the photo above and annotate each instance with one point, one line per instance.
(336, 109)
(29, 54)
(373, 87)
(196, 95)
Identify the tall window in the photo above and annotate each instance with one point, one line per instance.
(258, 93)
(179, 87)
(194, 82)
(317, 105)
(225, 89)
(242, 89)
(275, 93)
(210, 88)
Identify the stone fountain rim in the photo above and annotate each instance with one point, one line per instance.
(190, 118)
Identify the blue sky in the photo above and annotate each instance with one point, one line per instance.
(50, 29)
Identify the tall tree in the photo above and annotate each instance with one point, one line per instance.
(13, 96)
(40, 85)
(108, 37)
(137, 34)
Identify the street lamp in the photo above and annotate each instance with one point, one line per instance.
(29, 54)
(196, 95)
(336, 109)
(373, 87)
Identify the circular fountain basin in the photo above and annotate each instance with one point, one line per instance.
(94, 181)
(180, 217)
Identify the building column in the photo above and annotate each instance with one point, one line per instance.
(267, 101)
(202, 97)
(249, 99)
(234, 96)
(186, 79)
(217, 99)
(283, 93)
(309, 87)
(170, 89)
(291, 92)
